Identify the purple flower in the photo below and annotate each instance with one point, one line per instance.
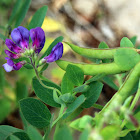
(38, 38)
(56, 53)
(20, 36)
(19, 45)
(20, 41)
(10, 65)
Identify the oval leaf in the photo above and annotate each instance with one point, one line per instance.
(46, 95)
(72, 107)
(6, 131)
(103, 45)
(75, 74)
(126, 58)
(125, 42)
(92, 94)
(35, 112)
(20, 136)
(38, 18)
(66, 85)
(22, 12)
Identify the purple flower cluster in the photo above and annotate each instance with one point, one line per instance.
(19, 47)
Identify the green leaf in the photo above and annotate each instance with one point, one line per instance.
(35, 112)
(6, 131)
(133, 40)
(74, 114)
(3, 37)
(103, 45)
(23, 10)
(28, 66)
(33, 133)
(44, 68)
(63, 133)
(21, 90)
(82, 123)
(15, 11)
(2, 80)
(110, 132)
(38, 18)
(48, 51)
(46, 95)
(110, 82)
(72, 107)
(95, 78)
(82, 88)
(92, 94)
(12, 137)
(24, 122)
(125, 42)
(127, 137)
(124, 132)
(84, 135)
(67, 98)
(75, 74)
(126, 58)
(20, 135)
(56, 98)
(66, 85)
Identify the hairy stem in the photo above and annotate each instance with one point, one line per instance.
(40, 81)
(59, 116)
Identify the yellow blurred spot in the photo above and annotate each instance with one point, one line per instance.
(9, 93)
(51, 25)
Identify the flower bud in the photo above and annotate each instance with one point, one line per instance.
(56, 53)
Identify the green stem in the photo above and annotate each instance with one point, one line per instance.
(49, 128)
(98, 106)
(40, 81)
(59, 116)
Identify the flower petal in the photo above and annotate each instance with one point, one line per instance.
(38, 38)
(11, 55)
(20, 35)
(7, 67)
(56, 53)
(9, 61)
(12, 46)
(17, 66)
